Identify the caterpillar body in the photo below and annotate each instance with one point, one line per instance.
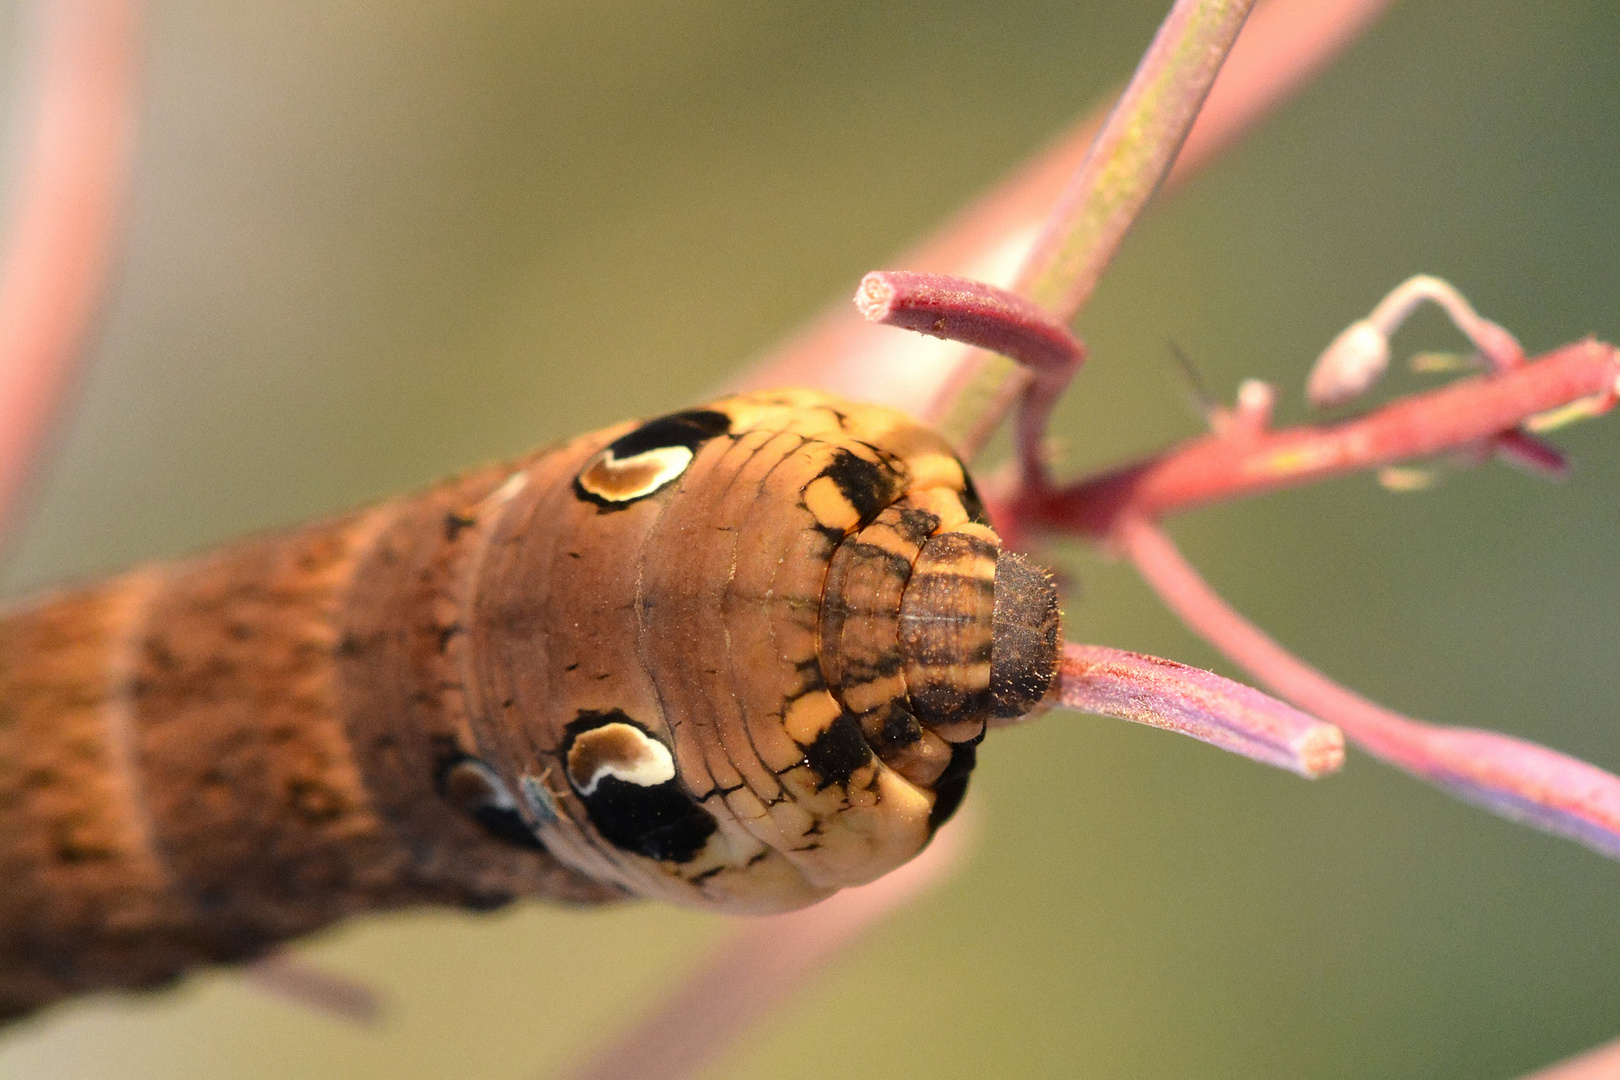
(737, 657)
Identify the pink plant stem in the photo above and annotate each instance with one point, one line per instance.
(1513, 777)
(1003, 322)
(64, 220)
(1201, 704)
(1599, 1063)
(760, 962)
(1214, 468)
(1134, 150)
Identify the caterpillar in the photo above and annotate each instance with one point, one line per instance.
(737, 658)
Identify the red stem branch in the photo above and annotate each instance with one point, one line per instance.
(1513, 777)
(1216, 467)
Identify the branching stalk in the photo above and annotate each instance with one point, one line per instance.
(1130, 158)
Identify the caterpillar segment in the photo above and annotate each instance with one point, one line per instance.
(735, 658)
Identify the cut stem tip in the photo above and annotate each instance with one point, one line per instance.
(1191, 701)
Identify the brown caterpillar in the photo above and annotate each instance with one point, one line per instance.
(738, 657)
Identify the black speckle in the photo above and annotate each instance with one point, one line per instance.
(869, 486)
(446, 633)
(838, 751)
(487, 901)
(660, 822)
(832, 536)
(572, 667)
(970, 499)
(454, 523)
(917, 525)
(951, 787)
(900, 729)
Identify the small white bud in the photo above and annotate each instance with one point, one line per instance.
(1349, 366)
(1256, 397)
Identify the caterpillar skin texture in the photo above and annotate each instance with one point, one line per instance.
(735, 658)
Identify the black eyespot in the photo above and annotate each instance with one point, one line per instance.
(690, 429)
(646, 460)
(657, 820)
(474, 787)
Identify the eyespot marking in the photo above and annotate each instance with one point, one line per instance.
(621, 751)
(647, 459)
(607, 480)
(690, 429)
(627, 781)
(476, 789)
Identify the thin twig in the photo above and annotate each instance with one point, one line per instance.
(313, 987)
(1518, 779)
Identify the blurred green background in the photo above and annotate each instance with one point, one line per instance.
(375, 243)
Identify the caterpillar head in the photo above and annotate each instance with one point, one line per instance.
(770, 634)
